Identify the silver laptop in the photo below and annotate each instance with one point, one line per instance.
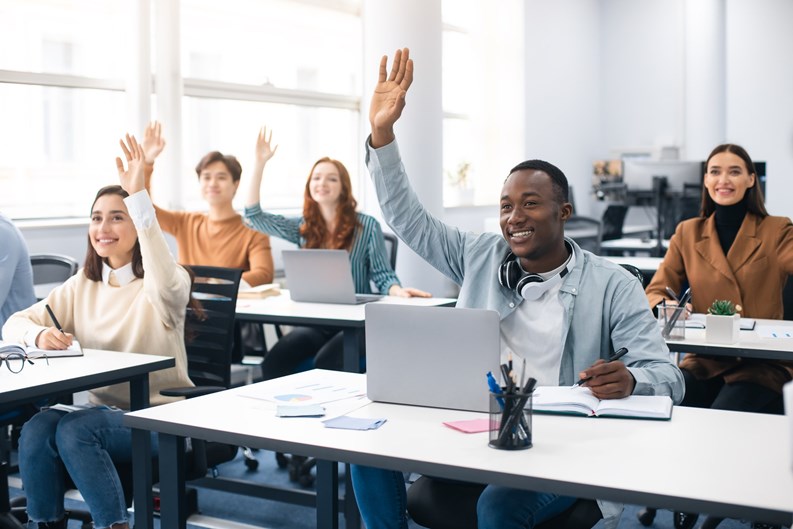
(322, 276)
(431, 356)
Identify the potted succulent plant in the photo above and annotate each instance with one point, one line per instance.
(722, 323)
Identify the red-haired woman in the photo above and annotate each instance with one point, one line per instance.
(329, 221)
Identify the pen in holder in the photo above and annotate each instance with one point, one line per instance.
(510, 420)
(672, 321)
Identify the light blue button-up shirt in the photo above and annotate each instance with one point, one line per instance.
(604, 306)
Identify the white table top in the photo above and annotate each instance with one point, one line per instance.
(649, 264)
(95, 368)
(631, 244)
(751, 344)
(725, 463)
(281, 309)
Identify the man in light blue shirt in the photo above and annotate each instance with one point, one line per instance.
(16, 274)
(563, 309)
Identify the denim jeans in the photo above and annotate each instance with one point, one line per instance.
(381, 497)
(506, 508)
(84, 444)
(382, 500)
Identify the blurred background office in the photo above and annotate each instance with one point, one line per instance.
(570, 82)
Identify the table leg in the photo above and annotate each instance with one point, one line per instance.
(353, 338)
(327, 495)
(141, 458)
(173, 511)
(352, 518)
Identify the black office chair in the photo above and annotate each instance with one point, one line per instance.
(391, 247)
(51, 269)
(209, 338)
(446, 504)
(613, 220)
(591, 232)
(635, 272)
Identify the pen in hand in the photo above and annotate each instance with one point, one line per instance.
(619, 353)
(54, 319)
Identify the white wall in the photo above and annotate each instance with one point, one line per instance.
(760, 91)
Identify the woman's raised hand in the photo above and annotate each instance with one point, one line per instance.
(132, 179)
(264, 150)
(153, 142)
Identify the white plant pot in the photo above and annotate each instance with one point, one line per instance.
(722, 329)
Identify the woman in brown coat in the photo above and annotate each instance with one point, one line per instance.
(736, 251)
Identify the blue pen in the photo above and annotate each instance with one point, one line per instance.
(495, 388)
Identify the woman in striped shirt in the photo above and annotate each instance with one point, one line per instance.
(329, 221)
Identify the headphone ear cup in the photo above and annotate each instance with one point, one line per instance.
(508, 273)
(530, 287)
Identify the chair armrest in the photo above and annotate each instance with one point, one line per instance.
(191, 392)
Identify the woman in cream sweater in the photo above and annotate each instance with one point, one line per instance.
(110, 304)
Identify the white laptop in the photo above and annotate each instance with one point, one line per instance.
(322, 276)
(431, 356)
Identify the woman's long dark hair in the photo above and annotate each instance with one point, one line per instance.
(93, 262)
(754, 195)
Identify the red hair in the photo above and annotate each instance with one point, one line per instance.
(314, 230)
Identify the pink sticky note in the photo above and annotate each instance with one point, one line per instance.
(470, 425)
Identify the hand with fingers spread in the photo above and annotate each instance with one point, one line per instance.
(388, 99)
(132, 179)
(153, 143)
(264, 151)
(51, 339)
(609, 380)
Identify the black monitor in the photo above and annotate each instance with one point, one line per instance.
(638, 174)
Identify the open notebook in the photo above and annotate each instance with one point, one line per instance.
(697, 321)
(568, 400)
(9, 347)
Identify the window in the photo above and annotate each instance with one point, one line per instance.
(482, 98)
(294, 66)
(62, 104)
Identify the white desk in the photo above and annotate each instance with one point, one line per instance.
(632, 245)
(282, 310)
(750, 344)
(94, 369)
(723, 463)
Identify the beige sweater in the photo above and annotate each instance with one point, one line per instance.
(145, 316)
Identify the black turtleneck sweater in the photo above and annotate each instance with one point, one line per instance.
(728, 222)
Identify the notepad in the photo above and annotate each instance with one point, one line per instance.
(259, 292)
(697, 321)
(9, 347)
(580, 401)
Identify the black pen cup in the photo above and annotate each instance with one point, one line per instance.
(510, 421)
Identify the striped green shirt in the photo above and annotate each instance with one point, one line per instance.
(368, 256)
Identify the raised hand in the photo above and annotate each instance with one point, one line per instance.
(153, 142)
(263, 149)
(388, 99)
(132, 179)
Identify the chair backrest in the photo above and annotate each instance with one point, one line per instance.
(51, 269)
(613, 220)
(391, 246)
(636, 272)
(586, 231)
(210, 336)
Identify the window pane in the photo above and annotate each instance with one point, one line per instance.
(62, 150)
(52, 36)
(288, 44)
(458, 165)
(303, 135)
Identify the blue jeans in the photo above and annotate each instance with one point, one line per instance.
(381, 497)
(382, 500)
(84, 444)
